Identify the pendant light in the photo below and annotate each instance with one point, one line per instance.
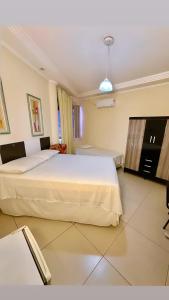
(106, 84)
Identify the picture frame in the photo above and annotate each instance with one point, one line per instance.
(4, 122)
(35, 115)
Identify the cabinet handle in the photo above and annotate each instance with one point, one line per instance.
(150, 139)
(154, 139)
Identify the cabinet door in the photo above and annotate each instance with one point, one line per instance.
(154, 132)
(153, 138)
(163, 165)
(134, 143)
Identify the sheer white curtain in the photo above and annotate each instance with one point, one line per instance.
(65, 107)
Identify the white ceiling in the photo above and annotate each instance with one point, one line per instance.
(76, 56)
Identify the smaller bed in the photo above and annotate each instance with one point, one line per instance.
(90, 150)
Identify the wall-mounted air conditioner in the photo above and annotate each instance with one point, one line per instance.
(105, 103)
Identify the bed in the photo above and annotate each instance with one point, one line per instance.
(75, 188)
(90, 150)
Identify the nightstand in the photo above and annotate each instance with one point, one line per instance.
(62, 148)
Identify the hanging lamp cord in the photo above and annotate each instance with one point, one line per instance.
(108, 59)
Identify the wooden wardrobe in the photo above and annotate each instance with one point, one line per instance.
(147, 149)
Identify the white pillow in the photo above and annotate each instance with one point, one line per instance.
(21, 165)
(85, 146)
(45, 154)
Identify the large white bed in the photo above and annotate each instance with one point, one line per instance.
(76, 188)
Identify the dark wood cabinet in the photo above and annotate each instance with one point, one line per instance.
(152, 151)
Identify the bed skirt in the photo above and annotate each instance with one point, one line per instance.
(57, 211)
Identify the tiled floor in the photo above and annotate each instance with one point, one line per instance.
(134, 253)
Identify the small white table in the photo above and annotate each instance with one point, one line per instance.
(17, 265)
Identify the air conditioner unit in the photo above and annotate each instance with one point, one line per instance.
(105, 103)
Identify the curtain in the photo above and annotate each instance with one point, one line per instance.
(65, 107)
(76, 121)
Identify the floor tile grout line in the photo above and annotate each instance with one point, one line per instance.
(92, 271)
(115, 238)
(109, 245)
(148, 238)
(167, 276)
(127, 221)
(95, 246)
(56, 237)
(89, 241)
(15, 222)
(117, 271)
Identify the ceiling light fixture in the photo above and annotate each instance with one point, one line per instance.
(106, 84)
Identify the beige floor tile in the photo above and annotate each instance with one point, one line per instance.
(134, 182)
(7, 225)
(70, 258)
(134, 189)
(151, 217)
(131, 198)
(128, 179)
(105, 274)
(100, 237)
(139, 260)
(43, 230)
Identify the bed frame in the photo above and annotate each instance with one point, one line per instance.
(12, 151)
(16, 150)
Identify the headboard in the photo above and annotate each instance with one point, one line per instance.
(45, 143)
(12, 151)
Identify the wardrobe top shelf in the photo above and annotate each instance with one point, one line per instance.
(148, 118)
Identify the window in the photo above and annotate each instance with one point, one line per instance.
(76, 116)
(77, 119)
(59, 127)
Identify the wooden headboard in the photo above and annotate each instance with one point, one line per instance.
(45, 143)
(12, 151)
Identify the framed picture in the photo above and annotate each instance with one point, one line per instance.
(35, 114)
(4, 123)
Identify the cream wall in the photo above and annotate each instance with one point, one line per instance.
(108, 127)
(19, 79)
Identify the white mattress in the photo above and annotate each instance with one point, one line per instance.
(117, 157)
(75, 188)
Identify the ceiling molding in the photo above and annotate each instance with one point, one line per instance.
(148, 86)
(41, 57)
(135, 83)
(18, 55)
(53, 81)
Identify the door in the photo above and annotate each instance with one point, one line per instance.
(134, 143)
(153, 138)
(154, 132)
(163, 165)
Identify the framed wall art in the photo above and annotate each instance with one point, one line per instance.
(4, 123)
(35, 114)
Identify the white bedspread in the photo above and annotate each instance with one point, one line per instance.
(75, 188)
(90, 150)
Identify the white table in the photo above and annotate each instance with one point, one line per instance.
(17, 265)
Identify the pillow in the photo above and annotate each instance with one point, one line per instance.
(21, 165)
(85, 146)
(45, 154)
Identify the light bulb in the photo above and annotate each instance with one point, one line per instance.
(106, 86)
